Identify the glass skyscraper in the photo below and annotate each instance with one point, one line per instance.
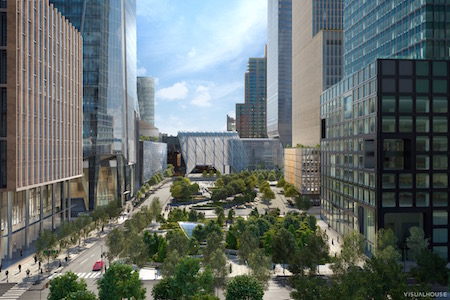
(395, 29)
(279, 70)
(110, 108)
(251, 115)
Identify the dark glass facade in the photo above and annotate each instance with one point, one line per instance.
(395, 29)
(279, 70)
(251, 116)
(110, 107)
(384, 151)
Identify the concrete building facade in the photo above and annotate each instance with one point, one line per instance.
(40, 120)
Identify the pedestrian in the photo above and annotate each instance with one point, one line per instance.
(332, 242)
(66, 259)
(21, 254)
(35, 259)
(60, 263)
(338, 239)
(325, 231)
(42, 272)
(1, 267)
(39, 265)
(28, 272)
(20, 268)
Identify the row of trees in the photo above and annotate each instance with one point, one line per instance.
(145, 189)
(119, 282)
(302, 202)
(129, 242)
(211, 173)
(50, 243)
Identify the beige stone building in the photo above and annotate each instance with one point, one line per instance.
(316, 65)
(41, 113)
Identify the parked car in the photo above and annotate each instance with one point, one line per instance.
(99, 264)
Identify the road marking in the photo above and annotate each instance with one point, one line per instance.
(93, 254)
(81, 275)
(15, 292)
(83, 261)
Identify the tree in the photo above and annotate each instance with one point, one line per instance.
(170, 262)
(352, 253)
(136, 249)
(244, 287)
(45, 244)
(260, 264)
(218, 173)
(162, 251)
(416, 241)
(213, 242)
(220, 215)
(211, 173)
(284, 246)
(217, 262)
(155, 208)
(281, 182)
(272, 176)
(63, 286)
(247, 244)
(431, 268)
(177, 240)
(120, 281)
(290, 191)
(81, 295)
(219, 183)
(204, 174)
(231, 214)
(115, 242)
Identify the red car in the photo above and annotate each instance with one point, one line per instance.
(98, 265)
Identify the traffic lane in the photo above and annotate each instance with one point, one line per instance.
(87, 259)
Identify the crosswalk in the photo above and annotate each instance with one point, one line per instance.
(16, 291)
(88, 275)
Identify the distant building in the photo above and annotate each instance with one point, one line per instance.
(222, 150)
(41, 120)
(155, 157)
(279, 70)
(231, 123)
(263, 153)
(146, 98)
(251, 115)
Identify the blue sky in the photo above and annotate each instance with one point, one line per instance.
(198, 52)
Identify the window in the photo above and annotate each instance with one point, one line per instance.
(440, 162)
(422, 105)
(440, 235)
(405, 199)
(393, 154)
(388, 85)
(440, 217)
(388, 181)
(422, 124)
(388, 104)
(440, 124)
(405, 181)
(440, 199)
(405, 124)
(440, 105)
(422, 180)
(388, 124)
(422, 68)
(388, 199)
(439, 68)
(422, 199)
(348, 107)
(440, 180)
(440, 143)
(423, 143)
(422, 86)
(422, 162)
(405, 104)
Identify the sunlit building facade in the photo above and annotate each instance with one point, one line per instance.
(40, 120)
(110, 105)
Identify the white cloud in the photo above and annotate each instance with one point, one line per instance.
(178, 91)
(232, 114)
(192, 53)
(156, 81)
(202, 97)
(141, 71)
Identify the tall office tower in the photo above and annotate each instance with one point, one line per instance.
(110, 107)
(279, 70)
(40, 120)
(384, 128)
(316, 65)
(146, 98)
(395, 29)
(251, 115)
(231, 123)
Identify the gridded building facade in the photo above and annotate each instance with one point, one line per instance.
(263, 154)
(222, 150)
(40, 120)
(384, 158)
(279, 70)
(395, 29)
(146, 98)
(251, 115)
(302, 166)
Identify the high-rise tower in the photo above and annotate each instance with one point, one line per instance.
(279, 70)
